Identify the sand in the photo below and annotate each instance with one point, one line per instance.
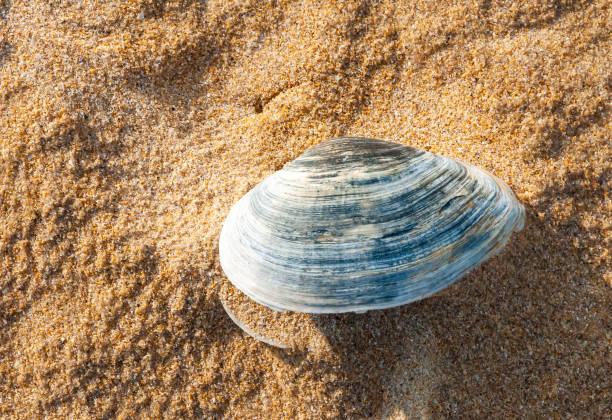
(129, 128)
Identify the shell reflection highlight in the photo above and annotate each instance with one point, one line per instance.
(356, 224)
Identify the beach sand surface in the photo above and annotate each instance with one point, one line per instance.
(129, 128)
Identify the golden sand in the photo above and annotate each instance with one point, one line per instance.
(129, 128)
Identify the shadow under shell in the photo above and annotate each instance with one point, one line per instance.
(314, 333)
(287, 330)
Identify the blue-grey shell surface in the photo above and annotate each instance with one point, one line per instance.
(356, 224)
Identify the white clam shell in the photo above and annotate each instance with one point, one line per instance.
(356, 224)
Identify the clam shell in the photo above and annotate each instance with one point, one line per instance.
(356, 224)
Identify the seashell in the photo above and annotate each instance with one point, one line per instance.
(356, 224)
